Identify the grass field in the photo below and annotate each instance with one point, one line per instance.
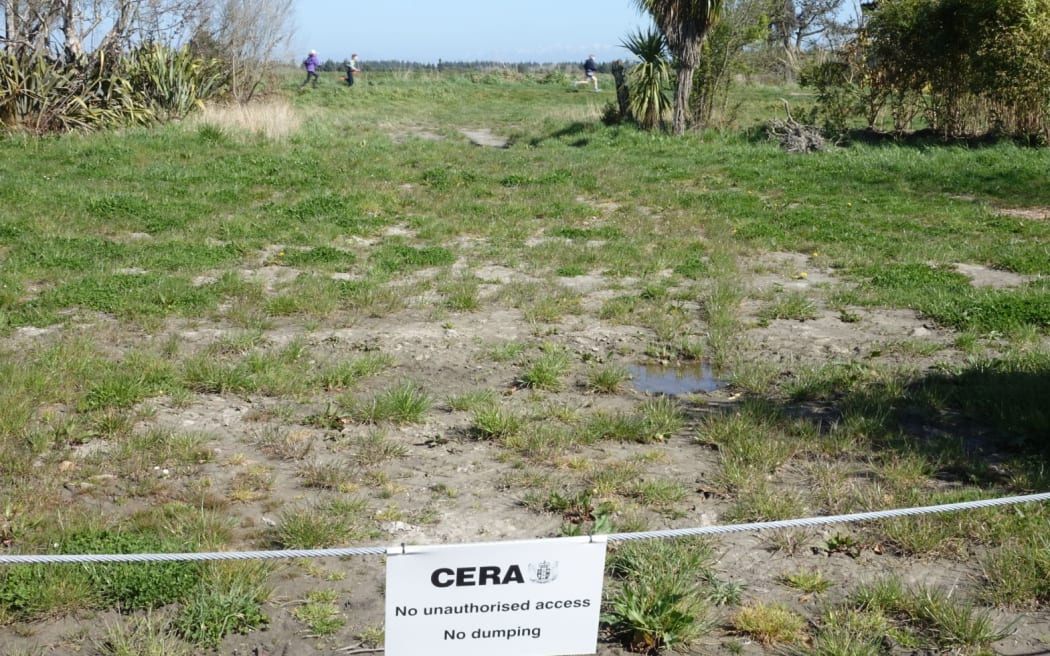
(331, 319)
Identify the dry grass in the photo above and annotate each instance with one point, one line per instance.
(273, 119)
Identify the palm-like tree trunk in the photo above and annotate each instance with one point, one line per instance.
(683, 90)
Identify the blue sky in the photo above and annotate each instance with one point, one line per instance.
(465, 30)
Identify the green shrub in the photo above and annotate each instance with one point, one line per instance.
(29, 591)
(964, 66)
(132, 586)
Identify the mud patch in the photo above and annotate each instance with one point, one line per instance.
(1030, 213)
(982, 276)
(485, 137)
(401, 135)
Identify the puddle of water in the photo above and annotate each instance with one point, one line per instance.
(680, 379)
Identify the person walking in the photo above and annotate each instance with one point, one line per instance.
(590, 70)
(310, 64)
(351, 70)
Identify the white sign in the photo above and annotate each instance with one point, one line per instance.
(525, 598)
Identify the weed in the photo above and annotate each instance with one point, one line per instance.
(496, 422)
(810, 581)
(660, 602)
(148, 635)
(461, 294)
(445, 491)
(252, 483)
(319, 613)
(602, 524)
(956, 624)
(546, 371)
(833, 642)
(324, 258)
(749, 444)
(327, 524)
(346, 373)
(473, 400)
(405, 403)
(843, 543)
(394, 257)
(770, 624)
(375, 448)
(722, 593)
(572, 506)
(661, 494)
(541, 303)
(505, 351)
(543, 443)
(617, 427)
(325, 474)
(932, 615)
(638, 559)
(663, 418)
(28, 592)
(607, 380)
(618, 478)
(1018, 573)
(228, 601)
(794, 306)
(371, 636)
(885, 595)
(655, 615)
(286, 444)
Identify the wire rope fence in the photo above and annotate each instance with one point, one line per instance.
(342, 552)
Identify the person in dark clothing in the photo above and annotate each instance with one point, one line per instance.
(351, 70)
(310, 64)
(590, 70)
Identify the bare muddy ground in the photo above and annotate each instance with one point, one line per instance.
(450, 487)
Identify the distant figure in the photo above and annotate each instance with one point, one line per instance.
(351, 70)
(310, 64)
(590, 70)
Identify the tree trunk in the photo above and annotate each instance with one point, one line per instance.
(683, 89)
(623, 95)
(10, 24)
(118, 32)
(70, 33)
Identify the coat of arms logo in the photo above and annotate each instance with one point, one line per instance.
(543, 572)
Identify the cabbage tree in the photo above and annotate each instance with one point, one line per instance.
(649, 79)
(685, 25)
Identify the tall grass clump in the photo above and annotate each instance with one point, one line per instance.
(404, 403)
(546, 371)
(273, 119)
(228, 601)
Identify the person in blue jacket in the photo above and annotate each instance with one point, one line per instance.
(310, 64)
(590, 70)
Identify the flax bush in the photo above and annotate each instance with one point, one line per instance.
(41, 96)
